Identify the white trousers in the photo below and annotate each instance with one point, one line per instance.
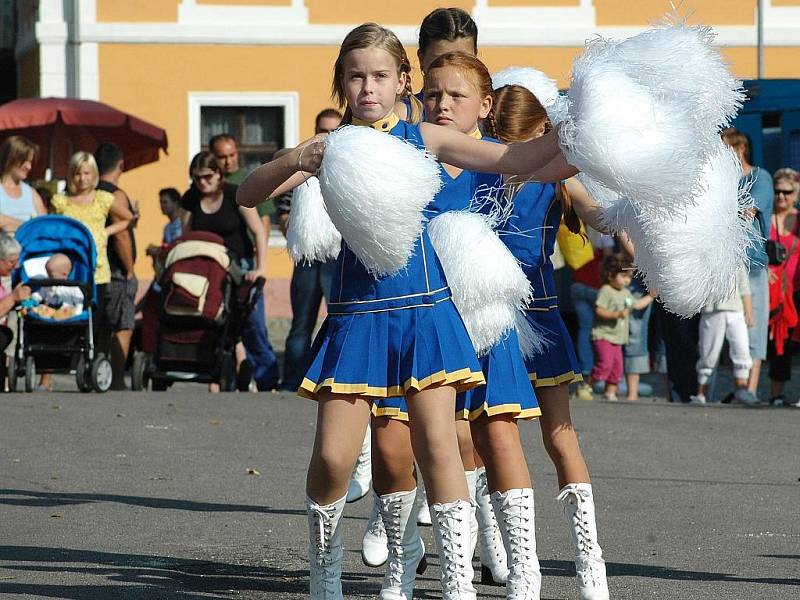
(715, 327)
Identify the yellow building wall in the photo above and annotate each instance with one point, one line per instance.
(133, 11)
(153, 81)
(644, 12)
(389, 13)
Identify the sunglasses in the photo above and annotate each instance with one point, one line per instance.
(783, 192)
(203, 176)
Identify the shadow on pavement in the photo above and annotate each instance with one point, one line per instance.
(44, 499)
(168, 577)
(557, 568)
(149, 577)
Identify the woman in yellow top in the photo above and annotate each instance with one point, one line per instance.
(92, 207)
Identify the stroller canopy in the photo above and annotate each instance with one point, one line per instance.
(49, 234)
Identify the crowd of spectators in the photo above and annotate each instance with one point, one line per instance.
(759, 322)
(620, 332)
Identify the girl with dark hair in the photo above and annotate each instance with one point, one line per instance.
(215, 210)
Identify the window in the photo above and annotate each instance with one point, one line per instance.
(258, 130)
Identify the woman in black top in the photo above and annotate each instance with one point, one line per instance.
(214, 209)
(211, 206)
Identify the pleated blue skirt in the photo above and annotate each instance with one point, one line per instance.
(557, 364)
(507, 389)
(388, 353)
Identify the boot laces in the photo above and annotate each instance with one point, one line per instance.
(396, 566)
(376, 526)
(323, 560)
(453, 567)
(580, 521)
(521, 544)
(587, 564)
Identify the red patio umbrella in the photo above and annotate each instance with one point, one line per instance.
(62, 126)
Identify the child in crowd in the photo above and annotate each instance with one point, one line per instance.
(610, 331)
(718, 321)
(58, 301)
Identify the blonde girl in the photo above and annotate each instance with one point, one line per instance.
(427, 357)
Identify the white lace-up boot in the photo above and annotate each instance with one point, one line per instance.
(325, 549)
(362, 473)
(423, 510)
(374, 549)
(451, 530)
(472, 485)
(578, 503)
(406, 550)
(515, 515)
(494, 570)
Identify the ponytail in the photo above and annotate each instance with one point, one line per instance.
(571, 219)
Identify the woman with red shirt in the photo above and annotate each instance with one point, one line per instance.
(784, 282)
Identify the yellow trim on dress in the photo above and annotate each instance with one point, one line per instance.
(387, 123)
(390, 411)
(500, 409)
(465, 379)
(568, 377)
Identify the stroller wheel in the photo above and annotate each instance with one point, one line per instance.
(101, 374)
(12, 374)
(139, 377)
(30, 374)
(82, 376)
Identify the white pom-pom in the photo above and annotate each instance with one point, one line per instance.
(375, 187)
(311, 235)
(624, 136)
(644, 114)
(532, 336)
(539, 84)
(486, 281)
(691, 262)
(536, 82)
(659, 57)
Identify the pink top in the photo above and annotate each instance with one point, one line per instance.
(789, 240)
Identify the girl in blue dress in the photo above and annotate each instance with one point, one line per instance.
(530, 234)
(458, 95)
(391, 335)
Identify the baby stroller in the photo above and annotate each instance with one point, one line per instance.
(50, 345)
(191, 327)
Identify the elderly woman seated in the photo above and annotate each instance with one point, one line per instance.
(9, 255)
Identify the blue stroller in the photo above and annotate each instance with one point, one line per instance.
(50, 345)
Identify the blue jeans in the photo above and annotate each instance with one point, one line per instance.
(637, 355)
(310, 283)
(583, 299)
(257, 347)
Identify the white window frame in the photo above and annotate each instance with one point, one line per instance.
(288, 101)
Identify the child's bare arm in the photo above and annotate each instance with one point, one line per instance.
(643, 302)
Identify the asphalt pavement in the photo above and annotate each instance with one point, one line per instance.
(187, 495)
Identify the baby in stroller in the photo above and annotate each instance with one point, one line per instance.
(57, 302)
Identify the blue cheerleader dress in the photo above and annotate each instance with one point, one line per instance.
(391, 335)
(530, 234)
(507, 388)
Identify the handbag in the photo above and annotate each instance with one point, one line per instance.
(575, 247)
